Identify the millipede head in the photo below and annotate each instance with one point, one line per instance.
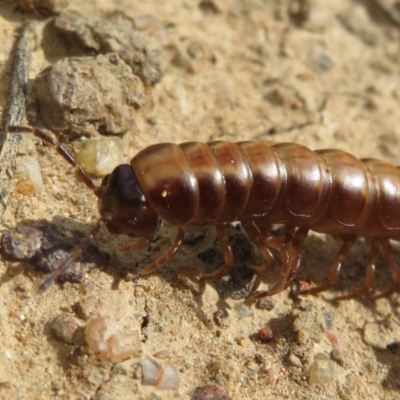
(122, 204)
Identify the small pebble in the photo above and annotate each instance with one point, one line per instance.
(321, 370)
(100, 157)
(64, 327)
(109, 342)
(209, 392)
(240, 340)
(24, 187)
(85, 96)
(349, 386)
(30, 175)
(266, 334)
(151, 372)
(374, 334)
(265, 304)
(164, 376)
(329, 318)
(221, 318)
(337, 341)
(85, 307)
(243, 311)
(258, 358)
(294, 360)
(170, 377)
(21, 243)
(337, 356)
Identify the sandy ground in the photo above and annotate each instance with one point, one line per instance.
(234, 70)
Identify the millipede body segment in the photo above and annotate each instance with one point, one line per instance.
(257, 183)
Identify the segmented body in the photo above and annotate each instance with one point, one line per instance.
(328, 191)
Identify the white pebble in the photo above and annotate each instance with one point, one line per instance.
(170, 378)
(321, 370)
(28, 168)
(100, 157)
(243, 311)
(109, 342)
(150, 372)
(164, 376)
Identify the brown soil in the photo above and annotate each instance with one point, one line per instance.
(321, 73)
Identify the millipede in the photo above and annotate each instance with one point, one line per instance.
(256, 183)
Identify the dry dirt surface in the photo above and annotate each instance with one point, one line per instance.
(323, 73)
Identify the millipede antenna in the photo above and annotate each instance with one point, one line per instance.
(79, 170)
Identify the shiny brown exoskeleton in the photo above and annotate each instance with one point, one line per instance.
(257, 183)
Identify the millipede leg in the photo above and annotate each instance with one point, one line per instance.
(259, 239)
(140, 244)
(290, 250)
(335, 269)
(167, 255)
(387, 251)
(298, 240)
(284, 272)
(369, 276)
(223, 235)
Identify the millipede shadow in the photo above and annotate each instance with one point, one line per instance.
(45, 244)
(391, 357)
